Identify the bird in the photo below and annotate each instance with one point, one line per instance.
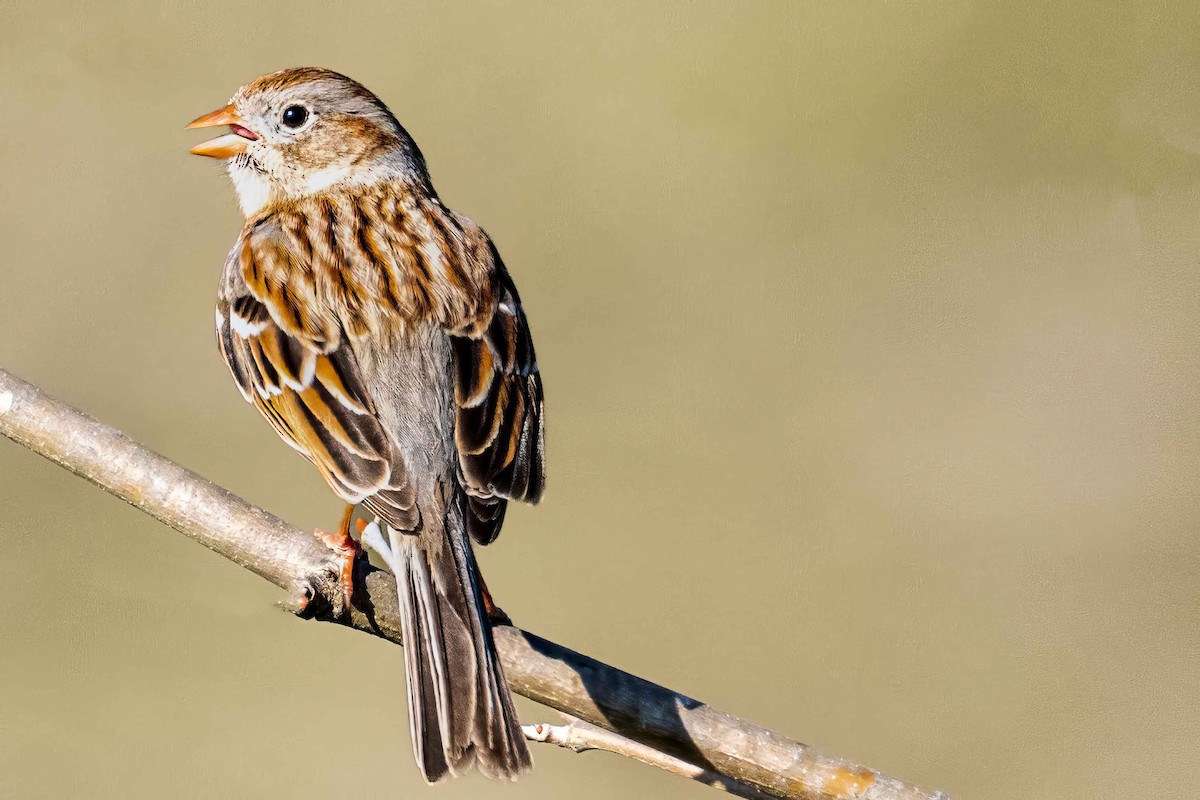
(381, 336)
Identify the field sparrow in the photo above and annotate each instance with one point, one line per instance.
(381, 336)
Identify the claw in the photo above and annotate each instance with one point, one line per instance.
(346, 552)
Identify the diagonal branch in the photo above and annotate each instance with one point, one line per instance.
(580, 737)
(725, 750)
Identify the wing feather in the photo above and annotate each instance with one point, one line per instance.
(297, 368)
(499, 429)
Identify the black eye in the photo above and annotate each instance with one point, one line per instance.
(295, 116)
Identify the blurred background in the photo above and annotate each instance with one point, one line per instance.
(871, 349)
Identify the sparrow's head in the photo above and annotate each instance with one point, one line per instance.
(301, 131)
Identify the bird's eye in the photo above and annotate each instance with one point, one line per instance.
(294, 116)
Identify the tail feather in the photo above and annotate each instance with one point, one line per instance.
(460, 709)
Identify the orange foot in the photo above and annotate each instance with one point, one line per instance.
(495, 614)
(345, 550)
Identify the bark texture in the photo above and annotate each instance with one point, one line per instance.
(726, 752)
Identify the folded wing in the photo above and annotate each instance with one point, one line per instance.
(499, 428)
(295, 366)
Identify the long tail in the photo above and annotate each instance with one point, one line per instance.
(460, 709)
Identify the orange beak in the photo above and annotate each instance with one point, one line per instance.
(229, 145)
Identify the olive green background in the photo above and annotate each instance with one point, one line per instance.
(870, 340)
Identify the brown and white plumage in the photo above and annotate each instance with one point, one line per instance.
(381, 336)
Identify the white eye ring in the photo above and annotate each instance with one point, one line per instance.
(295, 118)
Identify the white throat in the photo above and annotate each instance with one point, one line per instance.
(253, 190)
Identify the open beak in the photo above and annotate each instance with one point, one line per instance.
(229, 145)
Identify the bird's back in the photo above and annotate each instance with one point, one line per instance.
(409, 375)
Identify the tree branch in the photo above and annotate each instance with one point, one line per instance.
(579, 737)
(725, 750)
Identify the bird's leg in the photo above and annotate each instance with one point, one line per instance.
(494, 613)
(345, 550)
